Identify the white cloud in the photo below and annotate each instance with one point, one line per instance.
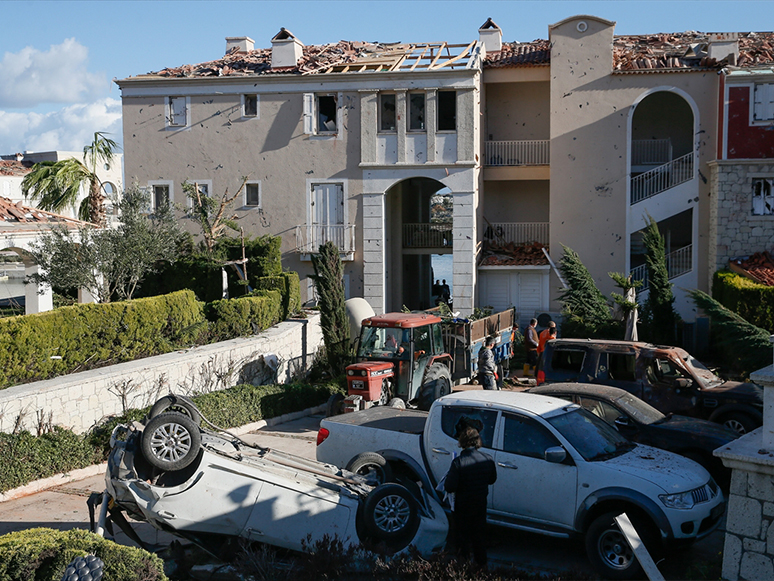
(68, 129)
(31, 77)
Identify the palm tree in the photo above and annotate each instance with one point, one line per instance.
(56, 184)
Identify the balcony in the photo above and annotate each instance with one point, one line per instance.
(427, 235)
(678, 263)
(309, 238)
(516, 153)
(651, 151)
(517, 233)
(661, 178)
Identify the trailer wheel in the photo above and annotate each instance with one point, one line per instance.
(373, 465)
(170, 441)
(391, 514)
(176, 403)
(437, 384)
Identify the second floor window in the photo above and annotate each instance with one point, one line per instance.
(447, 110)
(763, 102)
(176, 112)
(387, 112)
(320, 114)
(253, 194)
(416, 112)
(160, 196)
(250, 105)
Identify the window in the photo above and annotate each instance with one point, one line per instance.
(253, 194)
(205, 189)
(177, 108)
(621, 366)
(416, 112)
(387, 112)
(526, 437)
(762, 198)
(249, 105)
(601, 409)
(763, 102)
(161, 194)
(447, 110)
(320, 114)
(452, 415)
(567, 360)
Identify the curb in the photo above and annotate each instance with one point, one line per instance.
(81, 473)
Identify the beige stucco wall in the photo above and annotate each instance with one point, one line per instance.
(516, 201)
(517, 111)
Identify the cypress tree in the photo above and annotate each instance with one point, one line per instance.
(329, 283)
(586, 312)
(659, 308)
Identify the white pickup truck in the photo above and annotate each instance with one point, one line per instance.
(561, 471)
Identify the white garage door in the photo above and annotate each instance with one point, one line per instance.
(525, 290)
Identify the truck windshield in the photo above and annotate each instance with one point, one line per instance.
(384, 342)
(705, 376)
(593, 438)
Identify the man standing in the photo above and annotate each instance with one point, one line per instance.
(486, 364)
(469, 478)
(531, 342)
(545, 336)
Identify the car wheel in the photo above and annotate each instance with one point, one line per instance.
(437, 384)
(608, 550)
(335, 405)
(170, 441)
(390, 513)
(371, 464)
(739, 422)
(176, 403)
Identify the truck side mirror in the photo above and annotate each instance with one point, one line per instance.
(555, 455)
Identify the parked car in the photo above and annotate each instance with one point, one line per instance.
(209, 487)
(668, 378)
(639, 422)
(561, 471)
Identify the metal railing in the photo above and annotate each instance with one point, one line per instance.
(309, 238)
(517, 232)
(660, 179)
(514, 153)
(427, 235)
(651, 151)
(678, 262)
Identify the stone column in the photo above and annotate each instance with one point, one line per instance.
(38, 298)
(464, 252)
(748, 552)
(373, 251)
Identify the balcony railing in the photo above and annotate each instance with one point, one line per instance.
(517, 232)
(426, 235)
(515, 153)
(660, 179)
(651, 151)
(309, 238)
(678, 262)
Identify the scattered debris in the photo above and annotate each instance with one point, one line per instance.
(758, 267)
(511, 254)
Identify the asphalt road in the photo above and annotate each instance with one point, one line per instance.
(64, 507)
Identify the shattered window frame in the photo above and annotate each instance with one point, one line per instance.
(385, 115)
(447, 111)
(762, 196)
(320, 109)
(175, 113)
(256, 186)
(417, 114)
(250, 105)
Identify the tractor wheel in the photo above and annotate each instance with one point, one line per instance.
(437, 384)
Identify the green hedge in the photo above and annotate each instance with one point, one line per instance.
(288, 285)
(244, 316)
(70, 339)
(752, 301)
(44, 554)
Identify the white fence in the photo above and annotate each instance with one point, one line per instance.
(514, 153)
(657, 180)
(651, 151)
(517, 232)
(309, 238)
(426, 235)
(678, 262)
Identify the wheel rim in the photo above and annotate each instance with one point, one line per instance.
(735, 425)
(614, 550)
(392, 513)
(170, 442)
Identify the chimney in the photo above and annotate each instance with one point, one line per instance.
(286, 50)
(490, 36)
(240, 43)
(19, 156)
(724, 45)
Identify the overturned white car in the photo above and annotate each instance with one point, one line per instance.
(207, 487)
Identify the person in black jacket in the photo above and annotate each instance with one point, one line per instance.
(469, 478)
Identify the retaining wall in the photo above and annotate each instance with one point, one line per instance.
(79, 400)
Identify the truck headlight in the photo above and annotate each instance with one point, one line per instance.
(682, 500)
(364, 373)
(350, 372)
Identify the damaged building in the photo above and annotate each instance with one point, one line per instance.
(495, 153)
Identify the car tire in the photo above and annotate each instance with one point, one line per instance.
(608, 550)
(740, 422)
(170, 441)
(437, 384)
(391, 514)
(371, 464)
(176, 403)
(335, 405)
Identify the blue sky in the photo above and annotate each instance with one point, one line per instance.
(58, 58)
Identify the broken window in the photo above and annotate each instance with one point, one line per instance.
(176, 112)
(447, 110)
(160, 196)
(387, 112)
(250, 105)
(762, 198)
(763, 106)
(326, 113)
(416, 112)
(253, 194)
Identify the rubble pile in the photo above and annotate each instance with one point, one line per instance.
(511, 254)
(14, 168)
(537, 52)
(758, 267)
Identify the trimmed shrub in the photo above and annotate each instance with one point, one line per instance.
(244, 316)
(38, 554)
(288, 285)
(752, 301)
(70, 339)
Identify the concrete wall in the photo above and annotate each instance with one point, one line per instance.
(516, 201)
(80, 400)
(517, 111)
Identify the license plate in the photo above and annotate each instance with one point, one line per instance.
(358, 384)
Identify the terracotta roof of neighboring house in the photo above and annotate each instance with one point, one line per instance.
(12, 214)
(759, 267)
(537, 52)
(14, 168)
(511, 254)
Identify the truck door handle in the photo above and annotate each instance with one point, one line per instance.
(508, 465)
(441, 451)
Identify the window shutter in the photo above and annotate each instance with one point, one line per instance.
(308, 113)
(177, 111)
(763, 108)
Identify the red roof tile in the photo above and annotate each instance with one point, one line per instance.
(537, 52)
(759, 267)
(511, 254)
(11, 212)
(14, 168)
